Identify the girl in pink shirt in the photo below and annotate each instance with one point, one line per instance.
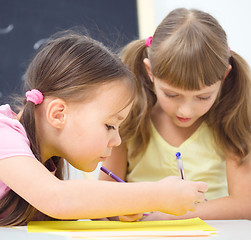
(78, 94)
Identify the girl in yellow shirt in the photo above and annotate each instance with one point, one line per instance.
(194, 97)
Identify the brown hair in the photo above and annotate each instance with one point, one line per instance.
(189, 49)
(69, 66)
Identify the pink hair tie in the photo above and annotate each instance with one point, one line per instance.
(149, 41)
(34, 96)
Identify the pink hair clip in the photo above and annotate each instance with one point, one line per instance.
(149, 41)
(34, 96)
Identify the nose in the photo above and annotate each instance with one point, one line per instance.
(115, 140)
(185, 109)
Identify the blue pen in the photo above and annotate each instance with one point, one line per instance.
(180, 165)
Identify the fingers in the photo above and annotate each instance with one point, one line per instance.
(199, 197)
(131, 217)
(193, 209)
(194, 206)
(202, 186)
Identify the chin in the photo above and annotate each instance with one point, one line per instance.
(86, 165)
(90, 168)
(184, 124)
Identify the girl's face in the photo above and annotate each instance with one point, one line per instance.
(92, 127)
(184, 107)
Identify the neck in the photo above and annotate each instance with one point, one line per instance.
(170, 132)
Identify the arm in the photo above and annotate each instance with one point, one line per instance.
(76, 199)
(117, 164)
(235, 206)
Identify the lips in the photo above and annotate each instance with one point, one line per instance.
(104, 158)
(184, 119)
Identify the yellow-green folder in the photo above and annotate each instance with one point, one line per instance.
(187, 227)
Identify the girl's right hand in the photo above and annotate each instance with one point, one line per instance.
(177, 196)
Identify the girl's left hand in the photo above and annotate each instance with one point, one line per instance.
(131, 217)
(158, 216)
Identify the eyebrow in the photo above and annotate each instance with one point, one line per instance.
(172, 91)
(119, 117)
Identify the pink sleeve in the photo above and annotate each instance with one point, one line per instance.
(13, 140)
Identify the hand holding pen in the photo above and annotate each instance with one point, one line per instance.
(181, 168)
(177, 208)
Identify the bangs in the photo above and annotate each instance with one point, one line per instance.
(131, 93)
(190, 58)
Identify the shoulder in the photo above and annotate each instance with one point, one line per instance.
(8, 122)
(13, 139)
(5, 110)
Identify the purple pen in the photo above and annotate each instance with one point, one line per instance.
(112, 175)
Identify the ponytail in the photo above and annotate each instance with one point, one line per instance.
(28, 121)
(230, 119)
(137, 126)
(20, 214)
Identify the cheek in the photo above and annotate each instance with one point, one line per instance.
(166, 104)
(97, 140)
(204, 108)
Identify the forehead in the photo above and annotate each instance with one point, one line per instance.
(112, 97)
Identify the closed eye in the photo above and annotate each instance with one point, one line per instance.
(109, 127)
(203, 98)
(171, 95)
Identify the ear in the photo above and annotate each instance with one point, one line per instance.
(56, 113)
(228, 71)
(148, 68)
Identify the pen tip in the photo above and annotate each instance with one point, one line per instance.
(178, 154)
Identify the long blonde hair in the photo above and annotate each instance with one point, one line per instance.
(68, 66)
(189, 49)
